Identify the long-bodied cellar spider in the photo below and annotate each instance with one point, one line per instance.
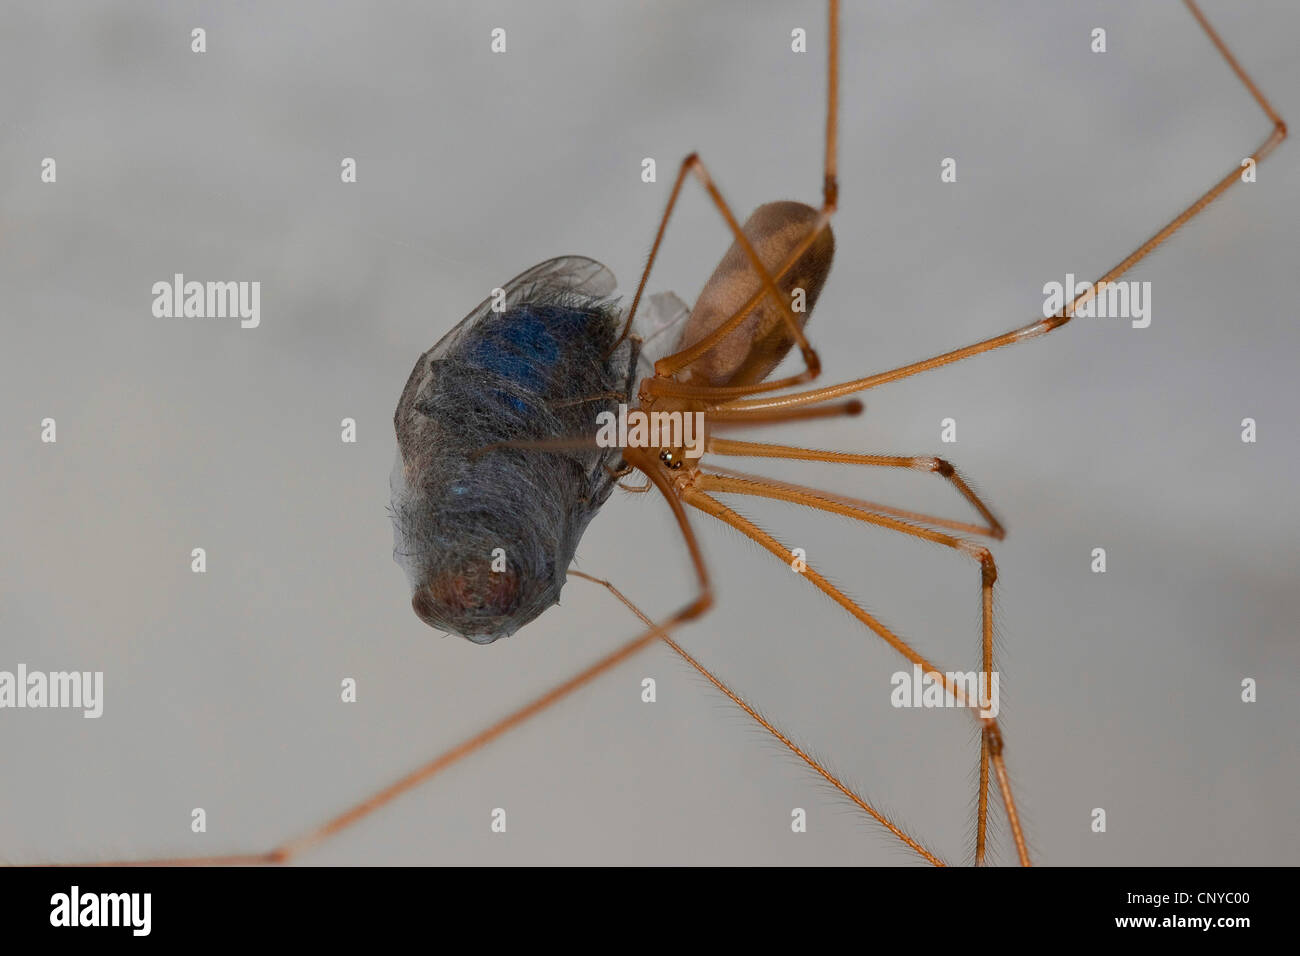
(828, 320)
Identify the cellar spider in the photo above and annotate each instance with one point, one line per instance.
(751, 402)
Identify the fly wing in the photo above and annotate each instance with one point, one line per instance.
(664, 313)
(577, 274)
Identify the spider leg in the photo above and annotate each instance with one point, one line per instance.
(811, 761)
(991, 746)
(1042, 326)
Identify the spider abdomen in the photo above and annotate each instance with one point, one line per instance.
(750, 352)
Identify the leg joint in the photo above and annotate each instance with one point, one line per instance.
(993, 737)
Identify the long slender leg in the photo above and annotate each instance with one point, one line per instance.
(991, 740)
(375, 801)
(830, 180)
(1043, 326)
(876, 507)
(988, 575)
(720, 417)
(767, 725)
(724, 416)
(670, 364)
(692, 164)
(830, 200)
(747, 416)
(291, 848)
(761, 488)
(666, 366)
(601, 397)
(993, 528)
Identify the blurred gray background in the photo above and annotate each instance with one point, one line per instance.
(1119, 690)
